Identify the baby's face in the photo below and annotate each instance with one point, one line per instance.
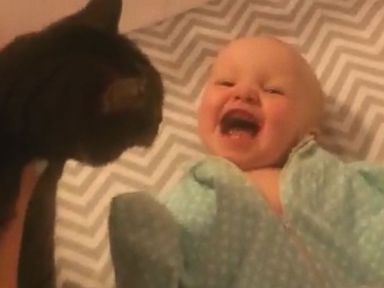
(260, 99)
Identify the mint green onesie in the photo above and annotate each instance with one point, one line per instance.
(213, 230)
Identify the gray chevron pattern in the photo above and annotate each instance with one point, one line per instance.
(342, 39)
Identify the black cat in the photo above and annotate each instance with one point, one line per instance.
(75, 90)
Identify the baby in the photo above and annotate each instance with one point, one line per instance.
(260, 100)
(270, 207)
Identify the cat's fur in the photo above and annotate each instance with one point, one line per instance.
(75, 90)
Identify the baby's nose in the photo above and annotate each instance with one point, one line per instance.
(247, 94)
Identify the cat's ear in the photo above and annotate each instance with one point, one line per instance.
(100, 14)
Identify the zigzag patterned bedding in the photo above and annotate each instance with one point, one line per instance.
(342, 39)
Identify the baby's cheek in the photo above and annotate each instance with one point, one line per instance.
(203, 120)
(284, 125)
(200, 125)
(208, 109)
(280, 115)
(207, 118)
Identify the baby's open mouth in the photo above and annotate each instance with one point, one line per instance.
(239, 121)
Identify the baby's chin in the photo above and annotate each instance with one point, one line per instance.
(251, 161)
(258, 154)
(247, 166)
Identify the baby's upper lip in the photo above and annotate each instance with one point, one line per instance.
(243, 113)
(241, 118)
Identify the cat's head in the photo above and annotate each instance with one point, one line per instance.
(78, 89)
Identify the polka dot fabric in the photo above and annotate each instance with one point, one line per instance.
(337, 211)
(239, 242)
(219, 232)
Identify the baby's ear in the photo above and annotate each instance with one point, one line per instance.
(123, 95)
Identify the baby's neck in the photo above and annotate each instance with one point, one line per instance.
(266, 182)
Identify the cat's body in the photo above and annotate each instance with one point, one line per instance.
(76, 90)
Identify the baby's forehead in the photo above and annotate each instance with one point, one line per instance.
(263, 53)
(262, 43)
(259, 49)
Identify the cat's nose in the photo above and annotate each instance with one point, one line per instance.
(124, 94)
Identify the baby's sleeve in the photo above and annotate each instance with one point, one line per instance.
(144, 242)
(337, 211)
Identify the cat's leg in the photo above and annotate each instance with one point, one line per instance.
(36, 264)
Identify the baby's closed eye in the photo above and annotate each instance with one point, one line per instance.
(226, 83)
(273, 90)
